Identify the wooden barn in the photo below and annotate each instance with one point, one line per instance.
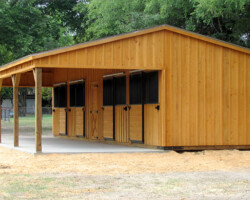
(162, 87)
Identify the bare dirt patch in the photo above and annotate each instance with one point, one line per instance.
(124, 163)
(190, 175)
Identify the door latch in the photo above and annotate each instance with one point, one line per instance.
(157, 107)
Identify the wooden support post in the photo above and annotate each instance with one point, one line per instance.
(1, 83)
(15, 81)
(38, 108)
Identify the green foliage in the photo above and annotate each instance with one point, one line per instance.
(227, 20)
(6, 93)
(47, 97)
(66, 14)
(25, 29)
(172, 12)
(5, 55)
(112, 17)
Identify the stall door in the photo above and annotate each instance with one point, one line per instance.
(60, 111)
(151, 124)
(77, 112)
(59, 122)
(151, 108)
(93, 110)
(79, 122)
(121, 110)
(136, 108)
(108, 110)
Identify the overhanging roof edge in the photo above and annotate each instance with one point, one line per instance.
(124, 36)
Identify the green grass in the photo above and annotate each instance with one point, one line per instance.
(29, 121)
(37, 186)
(27, 124)
(26, 187)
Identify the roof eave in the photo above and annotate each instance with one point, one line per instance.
(124, 36)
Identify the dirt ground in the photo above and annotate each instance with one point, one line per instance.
(170, 175)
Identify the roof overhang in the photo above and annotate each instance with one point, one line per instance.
(26, 63)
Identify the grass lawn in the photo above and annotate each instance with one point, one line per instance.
(27, 124)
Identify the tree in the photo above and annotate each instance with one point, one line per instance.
(111, 17)
(25, 29)
(227, 20)
(172, 12)
(70, 14)
(46, 97)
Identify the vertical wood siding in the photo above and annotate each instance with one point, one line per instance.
(145, 51)
(208, 89)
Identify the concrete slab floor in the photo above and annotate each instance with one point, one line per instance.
(51, 144)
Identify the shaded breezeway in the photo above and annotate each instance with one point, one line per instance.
(51, 144)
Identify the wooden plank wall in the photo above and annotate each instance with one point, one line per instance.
(135, 122)
(207, 93)
(152, 125)
(144, 51)
(76, 126)
(121, 124)
(108, 122)
(59, 119)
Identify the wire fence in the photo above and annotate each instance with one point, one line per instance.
(26, 120)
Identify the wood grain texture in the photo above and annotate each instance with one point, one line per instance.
(75, 121)
(209, 91)
(121, 124)
(129, 53)
(38, 108)
(108, 122)
(135, 123)
(94, 110)
(59, 121)
(15, 81)
(151, 124)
